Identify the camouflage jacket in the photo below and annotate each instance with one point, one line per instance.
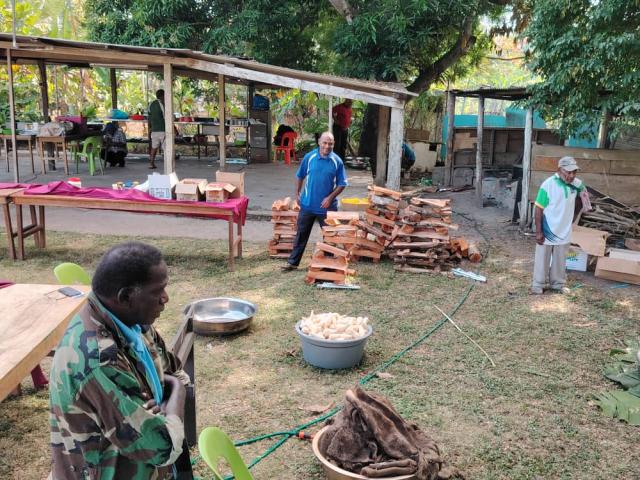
(99, 428)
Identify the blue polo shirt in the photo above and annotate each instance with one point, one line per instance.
(322, 175)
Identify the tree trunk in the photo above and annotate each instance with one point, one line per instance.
(369, 135)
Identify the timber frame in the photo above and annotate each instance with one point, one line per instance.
(169, 61)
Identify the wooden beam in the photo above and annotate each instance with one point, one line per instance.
(111, 55)
(479, 152)
(381, 151)
(526, 168)
(222, 141)
(113, 81)
(448, 160)
(331, 114)
(12, 117)
(44, 89)
(396, 135)
(290, 82)
(169, 144)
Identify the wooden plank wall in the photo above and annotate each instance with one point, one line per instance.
(613, 172)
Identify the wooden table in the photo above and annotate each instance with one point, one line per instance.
(202, 209)
(5, 201)
(34, 319)
(62, 142)
(19, 138)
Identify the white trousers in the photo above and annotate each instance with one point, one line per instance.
(549, 266)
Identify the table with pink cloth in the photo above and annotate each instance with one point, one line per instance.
(61, 194)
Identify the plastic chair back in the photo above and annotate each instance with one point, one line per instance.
(287, 147)
(91, 148)
(214, 444)
(71, 274)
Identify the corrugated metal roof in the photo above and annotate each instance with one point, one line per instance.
(514, 93)
(90, 49)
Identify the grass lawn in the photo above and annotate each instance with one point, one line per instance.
(531, 416)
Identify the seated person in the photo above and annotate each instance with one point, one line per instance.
(282, 129)
(115, 144)
(116, 393)
(408, 157)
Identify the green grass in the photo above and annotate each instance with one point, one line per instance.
(530, 417)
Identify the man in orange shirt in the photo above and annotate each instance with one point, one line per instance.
(341, 114)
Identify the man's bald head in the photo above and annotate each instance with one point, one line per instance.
(326, 136)
(326, 143)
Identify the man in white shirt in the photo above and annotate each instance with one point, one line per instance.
(554, 212)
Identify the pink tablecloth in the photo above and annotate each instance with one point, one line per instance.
(237, 205)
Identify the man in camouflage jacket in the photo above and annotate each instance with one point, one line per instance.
(116, 393)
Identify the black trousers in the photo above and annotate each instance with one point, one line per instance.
(306, 220)
(340, 135)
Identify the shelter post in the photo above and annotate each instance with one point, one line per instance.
(113, 81)
(381, 151)
(331, 115)
(526, 168)
(448, 161)
(603, 132)
(222, 143)
(396, 135)
(479, 151)
(169, 145)
(44, 89)
(12, 116)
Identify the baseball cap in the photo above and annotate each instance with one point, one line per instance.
(568, 163)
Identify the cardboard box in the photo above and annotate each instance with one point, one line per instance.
(162, 186)
(618, 269)
(218, 192)
(191, 189)
(235, 179)
(590, 240)
(577, 259)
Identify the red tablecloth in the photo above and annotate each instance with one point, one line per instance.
(238, 205)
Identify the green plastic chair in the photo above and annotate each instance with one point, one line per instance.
(71, 274)
(214, 444)
(91, 149)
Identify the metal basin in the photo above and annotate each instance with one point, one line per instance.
(334, 472)
(220, 316)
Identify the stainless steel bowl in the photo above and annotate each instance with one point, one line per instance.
(220, 316)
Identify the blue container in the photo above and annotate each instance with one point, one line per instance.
(332, 353)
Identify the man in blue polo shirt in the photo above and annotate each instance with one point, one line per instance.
(319, 181)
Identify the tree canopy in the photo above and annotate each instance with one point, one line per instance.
(588, 55)
(412, 41)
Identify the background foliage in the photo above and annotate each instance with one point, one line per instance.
(588, 55)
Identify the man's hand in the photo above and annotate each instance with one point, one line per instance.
(175, 395)
(152, 406)
(540, 238)
(326, 203)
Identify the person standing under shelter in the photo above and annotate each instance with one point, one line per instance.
(341, 114)
(116, 393)
(156, 127)
(320, 179)
(554, 213)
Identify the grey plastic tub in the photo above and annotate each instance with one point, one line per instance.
(332, 353)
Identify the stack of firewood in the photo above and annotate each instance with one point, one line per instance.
(343, 230)
(329, 264)
(340, 229)
(421, 241)
(415, 230)
(379, 221)
(284, 216)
